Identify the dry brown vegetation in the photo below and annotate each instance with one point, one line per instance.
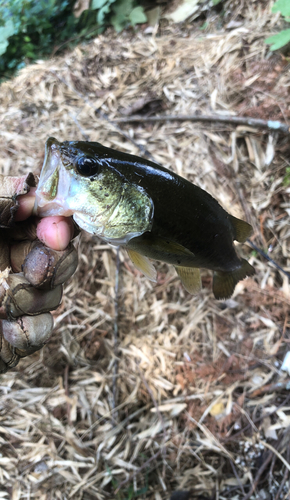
(200, 403)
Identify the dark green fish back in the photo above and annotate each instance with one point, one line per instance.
(189, 227)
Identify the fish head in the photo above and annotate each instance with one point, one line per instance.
(77, 180)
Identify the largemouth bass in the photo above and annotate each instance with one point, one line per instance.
(150, 211)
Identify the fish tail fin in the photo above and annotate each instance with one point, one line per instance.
(224, 282)
(242, 229)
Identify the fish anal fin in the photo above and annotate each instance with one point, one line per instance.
(143, 264)
(190, 278)
(224, 282)
(242, 229)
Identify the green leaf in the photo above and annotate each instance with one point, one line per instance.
(102, 13)
(282, 6)
(216, 2)
(98, 4)
(31, 55)
(286, 180)
(122, 10)
(279, 40)
(204, 26)
(5, 32)
(137, 16)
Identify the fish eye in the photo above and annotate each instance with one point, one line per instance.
(87, 166)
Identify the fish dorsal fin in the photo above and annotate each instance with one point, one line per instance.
(143, 264)
(241, 228)
(190, 278)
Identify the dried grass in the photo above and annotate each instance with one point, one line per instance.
(199, 406)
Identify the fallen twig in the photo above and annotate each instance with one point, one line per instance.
(104, 116)
(74, 118)
(258, 475)
(273, 125)
(116, 335)
(68, 406)
(237, 476)
(277, 453)
(270, 388)
(234, 437)
(266, 256)
(284, 479)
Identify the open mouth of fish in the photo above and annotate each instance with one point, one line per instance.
(55, 187)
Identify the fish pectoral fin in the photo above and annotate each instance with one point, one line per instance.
(190, 278)
(143, 264)
(242, 229)
(224, 283)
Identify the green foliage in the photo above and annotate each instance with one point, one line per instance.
(286, 180)
(30, 29)
(282, 6)
(279, 40)
(204, 26)
(283, 38)
(125, 13)
(33, 29)
(119, 13)
(5, 32)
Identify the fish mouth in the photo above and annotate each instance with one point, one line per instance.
(49, 198)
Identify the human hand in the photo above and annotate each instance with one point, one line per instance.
(36, 258)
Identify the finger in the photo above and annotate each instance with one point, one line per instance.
(26, 204)
(47, 268)
(4, 252)
(11, 188)
(19, 252)
(8, 356)
(28, 332)
(23, 337)
(55, 232)
(18, 297)
(42, 266)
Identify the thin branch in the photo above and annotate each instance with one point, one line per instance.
(210, 436)
(68, 406)
(285, 477)
(237, 476)
(74, 118)
(276, 452)
(258, 475)
(266, 256)
(116, 335)
(103, 116)
(234, 437)
(269, 389)
(273, 125)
